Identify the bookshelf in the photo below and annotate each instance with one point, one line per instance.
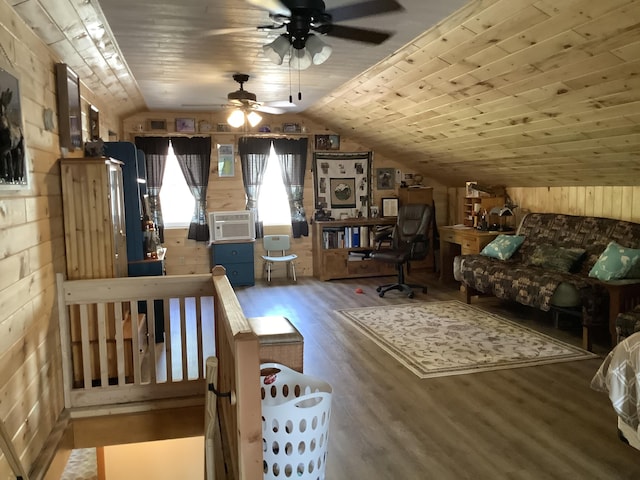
(341, 248)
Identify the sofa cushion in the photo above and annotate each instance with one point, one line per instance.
(503, 246)
(556, 258)
(616, 262)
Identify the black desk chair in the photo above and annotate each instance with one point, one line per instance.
(409, 241)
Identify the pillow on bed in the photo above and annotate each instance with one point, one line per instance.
(617, 262)
(556, 258)
(503, 246)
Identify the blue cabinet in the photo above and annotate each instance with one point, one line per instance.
(133, 160)
(237, 259)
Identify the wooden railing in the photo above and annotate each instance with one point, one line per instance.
(108, 337)
(107, 361)
(239, 414)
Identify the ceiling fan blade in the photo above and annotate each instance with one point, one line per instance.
(225, 31)
(363, 9)
(359, 34)
(271, 110)
(274, 6)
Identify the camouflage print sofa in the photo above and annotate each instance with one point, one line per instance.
(598, 302)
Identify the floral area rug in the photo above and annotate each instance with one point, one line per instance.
(437, 339)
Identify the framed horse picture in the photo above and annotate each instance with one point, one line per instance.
(13, 157)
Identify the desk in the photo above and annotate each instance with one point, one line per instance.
(460, 241)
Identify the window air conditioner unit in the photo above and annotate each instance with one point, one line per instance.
(229, 226)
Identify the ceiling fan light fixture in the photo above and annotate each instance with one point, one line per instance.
(236, 118)
(319, 50)
(276, 50)
(300, 59)
(254, 118)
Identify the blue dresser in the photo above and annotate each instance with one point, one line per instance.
(237, 259)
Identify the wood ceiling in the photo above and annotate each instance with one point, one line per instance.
(504, 92)
(507, 92)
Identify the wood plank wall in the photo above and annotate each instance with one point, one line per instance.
(32, 250)
(187, 256)
(621, 202)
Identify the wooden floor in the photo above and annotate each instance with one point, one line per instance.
(539, 422)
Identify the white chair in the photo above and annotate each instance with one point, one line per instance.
(276, 247)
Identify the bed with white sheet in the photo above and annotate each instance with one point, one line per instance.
(619, 377)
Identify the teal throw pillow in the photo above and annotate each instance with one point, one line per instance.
(503, 246)
(556, 258)
(616, 262)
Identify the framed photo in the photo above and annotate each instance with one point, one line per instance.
(385, 178)
(157, 125)
(204, 126)
(186, 125)
(226, 167)
(390, 207)
(69, 113)
(327, 142)
(341, 182)
(13, 165)
(291, 127)
(223, 127)
(94, 123)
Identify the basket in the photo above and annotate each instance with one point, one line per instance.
(296, 410)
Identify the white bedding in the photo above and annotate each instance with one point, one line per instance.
(619, 376)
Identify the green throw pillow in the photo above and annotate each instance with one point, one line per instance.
(616, 262)
(556, 258)
(503, 246)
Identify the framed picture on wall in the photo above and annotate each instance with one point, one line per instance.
(69, 113)
(13, 167)
(390, 207)
(94, 123)
(226, 167)
(385, 178)
(185, 125)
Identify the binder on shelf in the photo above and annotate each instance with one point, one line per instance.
(355, 237)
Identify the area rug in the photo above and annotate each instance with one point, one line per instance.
(436, 339)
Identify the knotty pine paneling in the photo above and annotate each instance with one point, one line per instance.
(520, 93)
(32, 250)
(620, 202)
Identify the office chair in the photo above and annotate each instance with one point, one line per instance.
(409, 241)
(276, 247)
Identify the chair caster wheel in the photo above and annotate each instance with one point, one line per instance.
(381, 294)
(378, 289)
(410, 295)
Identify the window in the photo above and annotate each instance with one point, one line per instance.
(273, 204)
(175, 196)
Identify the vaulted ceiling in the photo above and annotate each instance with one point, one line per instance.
(511, 92)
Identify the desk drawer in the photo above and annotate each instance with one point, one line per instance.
(469, 245)
(448, 236)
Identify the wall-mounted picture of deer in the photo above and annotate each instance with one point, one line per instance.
(13, 171)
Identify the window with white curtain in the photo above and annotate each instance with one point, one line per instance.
(175, 196)
(273, 205)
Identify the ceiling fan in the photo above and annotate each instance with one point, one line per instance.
(247, 101)
(301, 17)
(304, 20)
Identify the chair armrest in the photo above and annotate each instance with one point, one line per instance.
(382, 235)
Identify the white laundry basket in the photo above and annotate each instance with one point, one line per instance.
(296, 409)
